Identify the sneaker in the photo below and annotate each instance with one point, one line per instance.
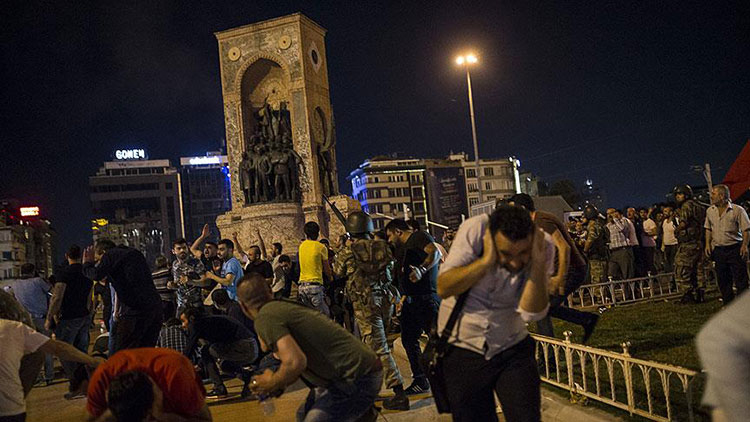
(588, 327)
(217, 392)
(73, 395)
(418, 387)
(397, 402)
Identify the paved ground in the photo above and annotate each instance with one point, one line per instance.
(46, 404)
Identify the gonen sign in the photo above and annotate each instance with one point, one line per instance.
(130, 154)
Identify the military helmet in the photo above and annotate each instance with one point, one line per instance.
(590, 212)
(683, 189)
(359, 222)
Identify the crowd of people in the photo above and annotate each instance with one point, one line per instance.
(686, 238)
(329, 314)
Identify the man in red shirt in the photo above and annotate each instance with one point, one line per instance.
(136, 384)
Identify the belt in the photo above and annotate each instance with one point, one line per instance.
(736, 245)
(311, 283)
(617, 249)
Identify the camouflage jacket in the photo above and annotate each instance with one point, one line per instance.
(689, 221)
(367, 265)
(597, 236)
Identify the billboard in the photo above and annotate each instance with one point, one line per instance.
(446, 189)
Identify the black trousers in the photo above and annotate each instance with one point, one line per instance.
(669, 252)
(512, 374)
(13, 418)
(730, 269)
(418, 315)
(558, 308)
(137, 330)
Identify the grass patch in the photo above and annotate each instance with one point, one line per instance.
(661, 331)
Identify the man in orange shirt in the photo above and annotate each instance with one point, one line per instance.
(313, 263)
(147, 384)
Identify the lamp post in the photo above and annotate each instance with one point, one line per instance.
(466, 61)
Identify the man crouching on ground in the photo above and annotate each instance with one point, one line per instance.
(150, 384)
(504, 262)
(311, 346)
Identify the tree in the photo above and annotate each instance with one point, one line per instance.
(567, 189)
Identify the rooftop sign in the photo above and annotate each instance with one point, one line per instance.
(130, 154)
(29, 211)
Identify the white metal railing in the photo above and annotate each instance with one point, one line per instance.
(619, 292)
(641, 387)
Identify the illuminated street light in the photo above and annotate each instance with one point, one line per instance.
(466, 61)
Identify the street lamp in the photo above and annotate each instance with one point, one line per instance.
(466, 61)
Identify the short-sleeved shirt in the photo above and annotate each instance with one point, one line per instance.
(232, 266)
(31, 293)
(193, 269)
(333, 354)
(75, 302)
(16, 341)
(172, 372)
(262, 267)
(491, 320)
(311, 256)
(412, 253)
(549, 223)
(727, 229)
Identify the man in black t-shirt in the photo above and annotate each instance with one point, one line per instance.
(256, 264)
(226, 339)
(138, 314)
(70, 310)
(416, 270)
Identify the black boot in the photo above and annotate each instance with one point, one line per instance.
(398, 402)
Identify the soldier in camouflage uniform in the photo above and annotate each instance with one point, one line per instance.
(365, 263)
(688, 260)
(596, 248)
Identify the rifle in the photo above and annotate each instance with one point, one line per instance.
(336, 211)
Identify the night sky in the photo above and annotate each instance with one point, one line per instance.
(629, 95)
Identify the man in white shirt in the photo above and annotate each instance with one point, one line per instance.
(648, 240)
(16, 341)
(504, 262)
(727, 236)
(668, 239)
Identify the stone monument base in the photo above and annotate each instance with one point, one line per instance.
(283, 223)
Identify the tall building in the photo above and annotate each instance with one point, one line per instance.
(436, 192)
(25, 237)
(390, 188)
(206, 192)
(499, 177)
(137, 202)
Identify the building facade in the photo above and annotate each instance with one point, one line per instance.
(137, 202)
(436, 192)
(25, 237)
(206, 192)
(391, 188)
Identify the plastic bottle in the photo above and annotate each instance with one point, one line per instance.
(266, 402)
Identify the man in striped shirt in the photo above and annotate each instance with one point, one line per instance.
(621, 258)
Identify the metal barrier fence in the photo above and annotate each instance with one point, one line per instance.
(641, 387)
(618, 292)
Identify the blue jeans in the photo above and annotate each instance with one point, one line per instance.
(49, 368)
(314, 296)
(341, 401)
(76, 333)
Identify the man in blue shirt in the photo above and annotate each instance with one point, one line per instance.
(31, 291)
(231, 270)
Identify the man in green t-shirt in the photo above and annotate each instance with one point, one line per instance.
(311, 346)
